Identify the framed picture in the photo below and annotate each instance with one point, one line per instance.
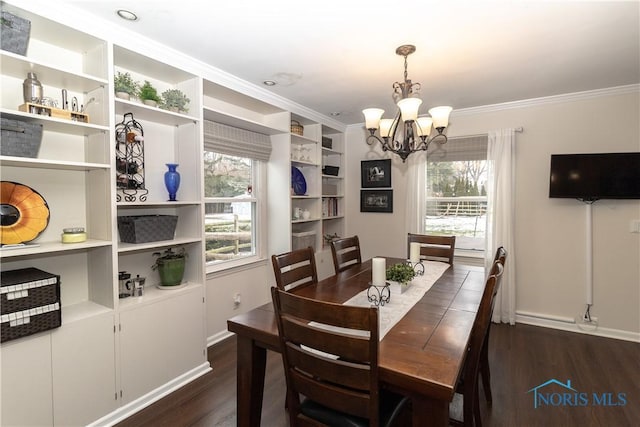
(375, 173)
(376, 201)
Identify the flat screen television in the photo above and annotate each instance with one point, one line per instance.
(595, 176)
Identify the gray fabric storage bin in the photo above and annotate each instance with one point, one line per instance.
(15, 33)
(147, 228)
(20, 138)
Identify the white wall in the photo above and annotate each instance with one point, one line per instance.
(550, 233)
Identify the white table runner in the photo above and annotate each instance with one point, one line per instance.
(401, 303)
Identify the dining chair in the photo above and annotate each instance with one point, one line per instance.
(330, 357)
(468, 386)
(485, 372)
(346, 253)
(295, 268)
(435, 248)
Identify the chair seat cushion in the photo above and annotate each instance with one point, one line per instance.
(391, 404)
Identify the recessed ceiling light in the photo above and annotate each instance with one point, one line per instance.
(269, 83)
(127, 15)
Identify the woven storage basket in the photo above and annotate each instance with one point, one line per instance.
(296, 127)
(19, 138)
(29, 302)
(147, 228)
(15, 33)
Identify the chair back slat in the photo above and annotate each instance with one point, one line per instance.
(435, 248)
(346, 253)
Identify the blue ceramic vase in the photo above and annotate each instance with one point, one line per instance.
(172, 181)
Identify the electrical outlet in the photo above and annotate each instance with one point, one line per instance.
(237, 299)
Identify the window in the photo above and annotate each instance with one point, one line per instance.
(456, 196)
(234, 194)
(232, 210)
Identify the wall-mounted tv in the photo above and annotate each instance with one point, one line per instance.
(594, 176)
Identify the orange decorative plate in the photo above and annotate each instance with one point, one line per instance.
(24, 213)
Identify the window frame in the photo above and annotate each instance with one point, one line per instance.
(259, 226)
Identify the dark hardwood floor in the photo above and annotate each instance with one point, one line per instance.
(522, 357)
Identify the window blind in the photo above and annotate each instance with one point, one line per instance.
(233, 141)
(459, 149)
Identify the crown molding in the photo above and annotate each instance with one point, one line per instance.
(546, 100)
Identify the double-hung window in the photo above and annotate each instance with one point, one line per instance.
(234, 164)
(456, 196)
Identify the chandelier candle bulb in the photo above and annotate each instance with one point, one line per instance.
(424, 126)
(409, 108)
(414, 252)
(440, 116)
(372, 117)
(379, 269)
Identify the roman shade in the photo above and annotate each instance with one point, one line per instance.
(236, 142)
(460, 149)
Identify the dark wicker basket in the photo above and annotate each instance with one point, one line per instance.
(29, 302)
(147, 228)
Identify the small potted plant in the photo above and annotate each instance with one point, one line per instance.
(125, 86)
(400, 275)
(174, 100)
(170, 265)
(149, 94)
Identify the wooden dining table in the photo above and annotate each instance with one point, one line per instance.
(421, 356)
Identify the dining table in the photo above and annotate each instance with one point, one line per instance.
(421, 356)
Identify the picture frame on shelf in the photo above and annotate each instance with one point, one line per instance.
(376, 201)
(375, 173)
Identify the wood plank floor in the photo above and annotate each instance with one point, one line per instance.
(522, 357)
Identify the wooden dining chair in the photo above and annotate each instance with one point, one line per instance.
(485, 372)
(434, 248)
(346, 253)
(468, 386)
(295, 268)
(335, 371)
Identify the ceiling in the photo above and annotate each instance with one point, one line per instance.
(339, 56)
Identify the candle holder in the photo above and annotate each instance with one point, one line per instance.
(418, 267)
(379, 295)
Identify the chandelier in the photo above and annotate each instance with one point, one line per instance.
(413, 130)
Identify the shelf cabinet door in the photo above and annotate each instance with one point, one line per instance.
(26, 381)
(160, 341)
(84, 377)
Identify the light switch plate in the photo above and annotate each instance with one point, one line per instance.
(634, 226)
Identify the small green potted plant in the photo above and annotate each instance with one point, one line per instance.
(125, 86)
(149, 94)
(170, 265)
(174, 100)
(400, 275)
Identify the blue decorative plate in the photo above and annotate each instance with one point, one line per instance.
(298, 183)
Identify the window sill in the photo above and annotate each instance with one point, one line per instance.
(233, 267)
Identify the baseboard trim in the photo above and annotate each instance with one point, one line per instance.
(142, 402)
(567, 324)
(220, 336)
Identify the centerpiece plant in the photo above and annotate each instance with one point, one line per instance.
(400, 273)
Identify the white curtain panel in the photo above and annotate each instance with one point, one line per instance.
(500, 218)
(416, 194)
